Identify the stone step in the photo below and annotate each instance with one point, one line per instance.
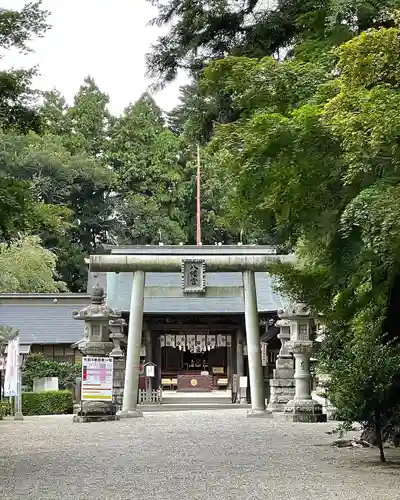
(195, 400)
(191, 407)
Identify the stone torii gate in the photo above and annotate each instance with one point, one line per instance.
(193, 269)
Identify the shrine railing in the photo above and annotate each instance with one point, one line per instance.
(153, 397)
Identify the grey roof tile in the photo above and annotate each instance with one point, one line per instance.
(45, 324)
(119, 292)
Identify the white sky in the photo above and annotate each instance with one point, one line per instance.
(107, 39)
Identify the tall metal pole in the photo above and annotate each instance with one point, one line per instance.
(198, 201)
(129, 403)
(253, 346)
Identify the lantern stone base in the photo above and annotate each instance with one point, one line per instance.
(282, 391)
(259, 414)
(129, 414)
(95, 411)
(304, 410)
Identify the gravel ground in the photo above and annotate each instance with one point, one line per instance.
(187, 455)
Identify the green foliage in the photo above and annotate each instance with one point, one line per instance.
(202, 31)
(5, 408)
(314, 159)
(363, 64)
(264, 83)
(26, 267)
(78, 176)
(70, 198)
(365, 382)
(82, 127)
(47, 403)
(17, 99)
(150, 179)
(36, 366)
(18, 28)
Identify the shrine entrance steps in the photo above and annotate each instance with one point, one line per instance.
(196, 398)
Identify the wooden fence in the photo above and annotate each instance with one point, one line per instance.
(146, 397)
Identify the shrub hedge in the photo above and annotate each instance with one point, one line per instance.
(5, 408)
(47, 403)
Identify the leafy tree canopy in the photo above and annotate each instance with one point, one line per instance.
(25, 266)
(320, 170)
(17, 99)
(150, 179)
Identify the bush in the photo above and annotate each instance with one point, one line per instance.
(47, 403)
(37, 366)
(5, 408)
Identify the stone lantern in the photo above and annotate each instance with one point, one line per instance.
(282, 383)
(96, 343)
(302, 408)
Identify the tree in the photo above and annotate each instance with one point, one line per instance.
(367, 391)
(18, 207)
(203, 31)
(151, 184)
(53, 112)
(90, 120)
(317, 166)
(26, 267)
(71, 194)
(21, 210)
(83, 126)
(17, 99)
(87, 183)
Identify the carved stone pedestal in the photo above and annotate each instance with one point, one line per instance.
(282, 390)
(96, 411)
(282, 385)
(304, 410)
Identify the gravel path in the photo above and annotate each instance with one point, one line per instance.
(195, 455)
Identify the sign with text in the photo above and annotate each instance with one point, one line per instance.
(243, 382)
(11, 385)
(193, 275)
(97, 379)
(150, 370)
(264, 354)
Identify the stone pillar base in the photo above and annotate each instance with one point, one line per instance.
(95, 411)
(18, 416)
(304, 410)
(280, 405)
(129, 414)
(282, 385)
(259, 414)
(282, 391)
